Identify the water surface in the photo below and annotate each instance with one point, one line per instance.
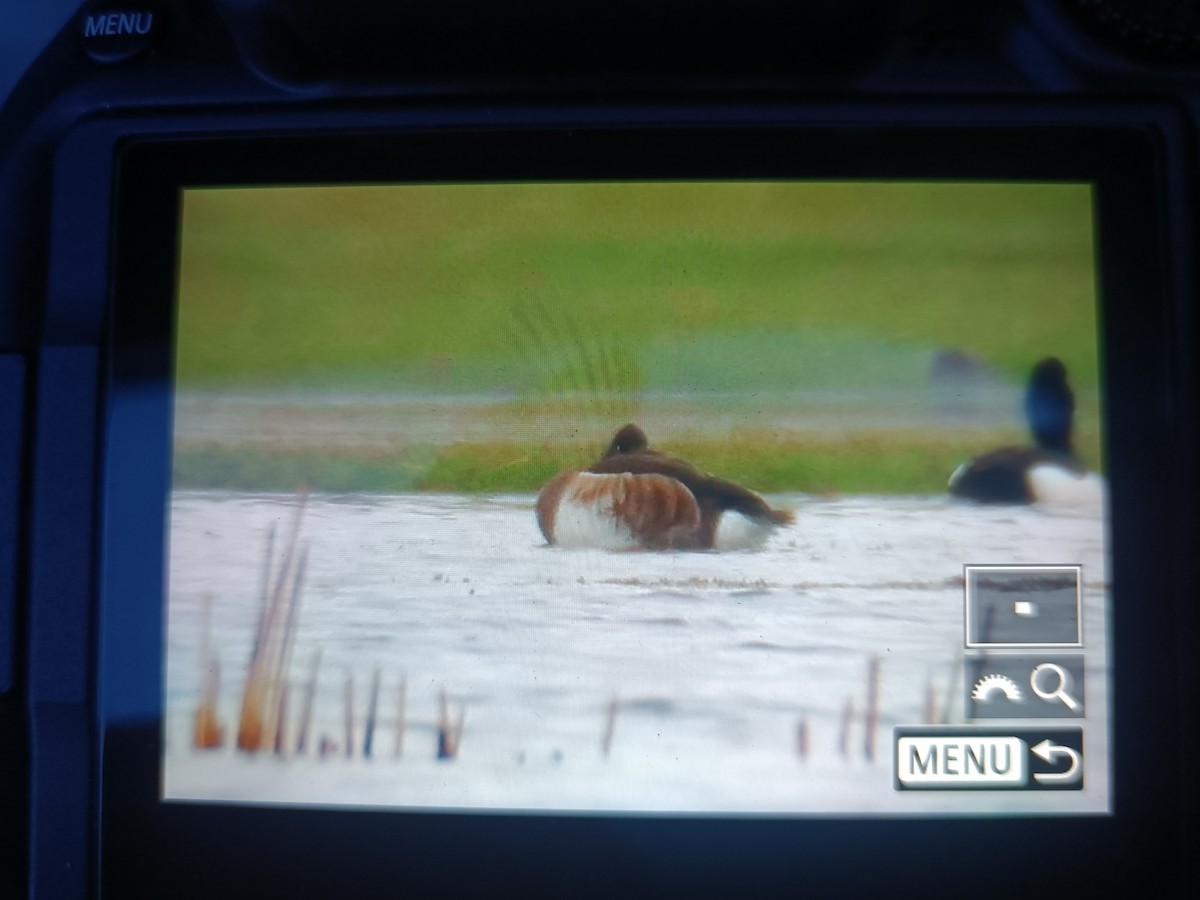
(716, 660)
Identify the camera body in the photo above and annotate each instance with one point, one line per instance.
(927, 82)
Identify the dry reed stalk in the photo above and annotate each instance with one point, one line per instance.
(802, 739)
(281, 719)
(847, 723)
(449, 734)
(250, 725)
(348, 696)
(280, 628)
(282, 663)
(401, 715)
(458, 729)
(610, 725)
(871, 721)
(264, 594)
(306, 710)
(209, 734)
(372, 709)
(260, 697)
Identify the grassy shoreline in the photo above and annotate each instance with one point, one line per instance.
(864, 462)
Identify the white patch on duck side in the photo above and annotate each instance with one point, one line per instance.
(592, 523)
(738, 532)
(1054, 485)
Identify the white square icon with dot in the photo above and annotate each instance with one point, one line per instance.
(1023, 606)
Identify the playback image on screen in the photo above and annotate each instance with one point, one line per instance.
(713, 498)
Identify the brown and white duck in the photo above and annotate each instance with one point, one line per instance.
(637, 497)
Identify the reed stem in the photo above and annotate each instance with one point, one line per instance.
(372, 710)
(348, 696)
(306, 709)
(610, 725)
(401, 715)
(871, 721)
(847, 723)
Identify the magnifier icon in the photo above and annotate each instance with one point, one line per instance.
(1054, 686)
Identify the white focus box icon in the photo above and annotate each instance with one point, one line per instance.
(1023, 606)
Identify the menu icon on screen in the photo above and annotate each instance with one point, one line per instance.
(965, 757)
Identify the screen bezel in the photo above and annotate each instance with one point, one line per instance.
(147, 843)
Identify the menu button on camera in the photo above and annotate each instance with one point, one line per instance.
(115, 34)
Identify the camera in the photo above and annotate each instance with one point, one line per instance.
(599, 449)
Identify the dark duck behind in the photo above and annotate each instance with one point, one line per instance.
(634, 496)
(1047, 472)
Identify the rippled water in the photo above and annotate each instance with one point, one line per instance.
(716, 659)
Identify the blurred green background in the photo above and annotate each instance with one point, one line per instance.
(549, 306)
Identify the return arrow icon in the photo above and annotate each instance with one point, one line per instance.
(1050, 751)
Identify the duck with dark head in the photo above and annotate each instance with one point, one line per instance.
(634, 496)
(1047, 472)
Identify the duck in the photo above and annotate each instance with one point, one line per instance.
(638, 497)
(1049, 471)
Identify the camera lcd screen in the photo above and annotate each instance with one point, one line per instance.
(670, 497)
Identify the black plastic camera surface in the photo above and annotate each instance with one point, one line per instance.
(928, 82)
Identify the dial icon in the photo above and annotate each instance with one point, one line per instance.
(989, 685)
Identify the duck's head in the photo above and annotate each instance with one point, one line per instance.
(630, 439)
(1050, 406)
(1049, 373)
